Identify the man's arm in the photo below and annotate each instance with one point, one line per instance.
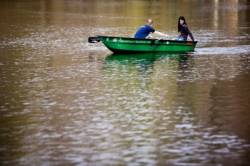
(162, 34)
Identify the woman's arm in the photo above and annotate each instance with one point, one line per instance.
(190, 34)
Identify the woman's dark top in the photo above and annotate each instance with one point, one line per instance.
(183, 29)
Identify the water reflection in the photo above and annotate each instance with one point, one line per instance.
(144, 61)
(145, 57)
(63, 102)
(167, 99)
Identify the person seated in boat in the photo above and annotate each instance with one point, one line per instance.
(184, 30)
(145, 30)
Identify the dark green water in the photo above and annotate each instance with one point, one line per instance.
(64, 101)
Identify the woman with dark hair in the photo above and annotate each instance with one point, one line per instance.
(183, 29)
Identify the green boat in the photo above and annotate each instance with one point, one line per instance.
(133, 45)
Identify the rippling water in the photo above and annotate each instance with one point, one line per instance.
(67, 102)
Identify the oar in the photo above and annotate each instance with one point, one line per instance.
(93, 39)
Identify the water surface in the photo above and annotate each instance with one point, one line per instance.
(64, 101)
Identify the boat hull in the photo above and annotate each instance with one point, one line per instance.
(132, 45)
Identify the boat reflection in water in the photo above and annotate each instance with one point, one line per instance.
(145, 61)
